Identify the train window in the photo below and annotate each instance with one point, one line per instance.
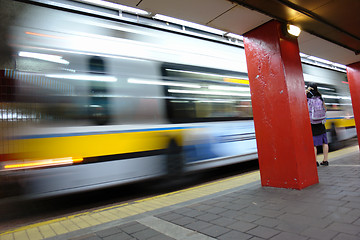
(201, 94)
(99, 102)
(55, 96)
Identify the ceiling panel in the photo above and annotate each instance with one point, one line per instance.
(338, 12)
(311, 4)
(304, 37)
(199, 11)
(311, 45)
(239, 20)
(344, 38)
(305, 22)
(272, 8)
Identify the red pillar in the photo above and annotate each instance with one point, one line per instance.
(353, 74)
(282, 124)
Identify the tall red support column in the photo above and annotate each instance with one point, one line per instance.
(353, 74)
(282, 124)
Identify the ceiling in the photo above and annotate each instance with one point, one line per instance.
(331, 28)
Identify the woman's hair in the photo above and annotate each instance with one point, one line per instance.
(314, 92)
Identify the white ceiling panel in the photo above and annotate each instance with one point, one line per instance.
(318, 47)
(199, 11)
(239, 20)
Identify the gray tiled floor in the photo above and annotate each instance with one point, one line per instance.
(328, 210)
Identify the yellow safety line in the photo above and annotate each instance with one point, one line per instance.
(341, 152)
(107, 214)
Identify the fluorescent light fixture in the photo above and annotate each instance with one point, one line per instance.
(179, 101)
(45, 57)
(293, 30)
(331, 97)
(188, 24)
(209, 92)
(116, 6)
(322, 62)
(236, 36)
(214, 101)
(317, 59)
(9, 115)
(85, 77)
(227, 88)
(336, 97)
(339, 65)
(325, 88)
(346, 98)
(201, 73)
(339, 104)
(163, 83)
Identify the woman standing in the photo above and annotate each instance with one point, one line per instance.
(317, 110)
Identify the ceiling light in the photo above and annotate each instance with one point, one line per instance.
(293, 30)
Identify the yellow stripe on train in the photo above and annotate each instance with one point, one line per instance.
(340, 122)
(95, 145)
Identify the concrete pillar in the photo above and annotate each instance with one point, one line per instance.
(353, 74)
(282, 124)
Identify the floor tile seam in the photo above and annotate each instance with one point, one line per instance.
(33, 235)
(46, 231)
(21, 235)
(171, 229)
(58, 228)
(67, 224)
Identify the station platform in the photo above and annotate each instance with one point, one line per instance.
(232, 208)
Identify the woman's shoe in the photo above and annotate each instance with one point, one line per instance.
(324, 163)
(317, 163)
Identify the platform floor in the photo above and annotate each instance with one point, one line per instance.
(232, 208)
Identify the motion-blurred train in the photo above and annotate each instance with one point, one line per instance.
(95, 102)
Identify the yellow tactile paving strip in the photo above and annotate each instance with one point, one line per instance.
(340, 153)
(59, 226)
(72, 223)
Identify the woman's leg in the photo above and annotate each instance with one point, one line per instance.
(325, 151)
